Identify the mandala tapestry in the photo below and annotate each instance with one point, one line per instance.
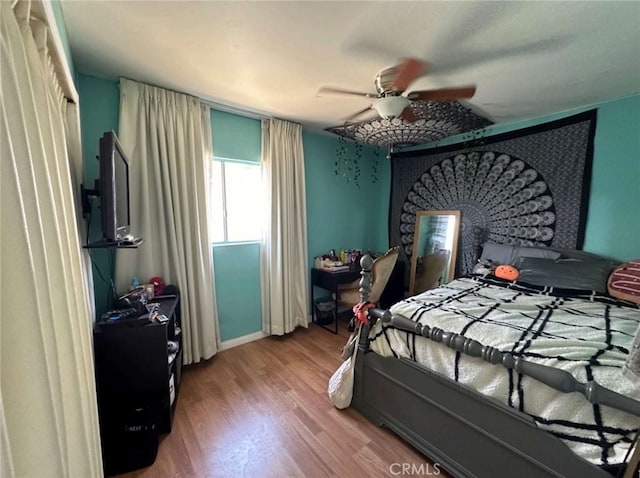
(527, 187)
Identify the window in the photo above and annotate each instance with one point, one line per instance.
(236, 201)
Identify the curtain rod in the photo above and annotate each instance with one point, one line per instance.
(218, 106)
(43, 10)
(260, 115)
(246, 113)
(236, 110)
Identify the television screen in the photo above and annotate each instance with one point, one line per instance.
(122, 193)
(114, 189)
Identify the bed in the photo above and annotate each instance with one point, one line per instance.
(447, 416)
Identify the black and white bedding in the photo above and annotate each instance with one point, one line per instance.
(586, 334)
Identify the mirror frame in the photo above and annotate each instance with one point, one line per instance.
(414, 255)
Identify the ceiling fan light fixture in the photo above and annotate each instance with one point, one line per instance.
(391, 106)
(434, 121)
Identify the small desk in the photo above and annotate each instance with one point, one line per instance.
(330, 281)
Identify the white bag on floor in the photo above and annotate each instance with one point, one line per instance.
(341, 382)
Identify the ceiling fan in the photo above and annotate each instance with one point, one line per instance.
(392, 82)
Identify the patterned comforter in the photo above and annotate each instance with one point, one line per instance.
(587, 335)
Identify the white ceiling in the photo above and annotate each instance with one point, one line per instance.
(527, 58)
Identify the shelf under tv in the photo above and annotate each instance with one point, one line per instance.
(122, 244)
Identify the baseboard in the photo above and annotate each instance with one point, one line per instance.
(245, 339)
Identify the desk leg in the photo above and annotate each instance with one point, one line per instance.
(313, 306)
(335, 316)
(313, 314)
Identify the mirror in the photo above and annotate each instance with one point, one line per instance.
(435, 243)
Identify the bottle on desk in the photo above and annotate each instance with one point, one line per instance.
(135, 283)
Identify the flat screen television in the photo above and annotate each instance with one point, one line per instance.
(113, 186)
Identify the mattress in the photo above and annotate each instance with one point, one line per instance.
(587, 335)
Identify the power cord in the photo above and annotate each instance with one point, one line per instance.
(109, 283)
(112, 264)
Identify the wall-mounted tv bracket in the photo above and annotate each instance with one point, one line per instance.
(86, 194)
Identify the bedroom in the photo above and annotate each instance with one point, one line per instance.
(331, 225)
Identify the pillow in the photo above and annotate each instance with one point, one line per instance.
(540, 252)
(505, 254)
(497, 253)
(624, 282)
(565, 273)
(581, 255)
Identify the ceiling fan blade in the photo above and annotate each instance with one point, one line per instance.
(444, 94)
(343, 91)
(408, 70)
(408, 115)
(350, 118)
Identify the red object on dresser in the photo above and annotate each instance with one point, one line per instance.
(158, 285)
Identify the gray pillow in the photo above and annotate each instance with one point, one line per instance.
(582, 255)
(565, 273)
(540, 252)
(498, 253)
(505, 254)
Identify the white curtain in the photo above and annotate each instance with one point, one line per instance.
(167, 139)
(283, 265)
(48, 410)
(71, 113)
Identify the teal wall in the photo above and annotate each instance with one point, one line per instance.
(613, 220)
(237, 273)
(236, 137)
(99, 111)
(237, 266)
(62, 28)
(341, 214)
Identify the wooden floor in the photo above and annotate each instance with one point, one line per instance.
(262, 410)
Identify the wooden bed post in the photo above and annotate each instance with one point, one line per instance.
(367, 277)
(366, 263)
(632, 464)
(476, 243)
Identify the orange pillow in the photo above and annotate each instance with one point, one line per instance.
(624, 281)
(506, 272)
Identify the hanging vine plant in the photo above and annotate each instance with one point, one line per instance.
(357, 156)
(477, 137)
(374, 166)
(347, 163)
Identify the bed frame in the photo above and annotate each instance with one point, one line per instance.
(466, 433)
